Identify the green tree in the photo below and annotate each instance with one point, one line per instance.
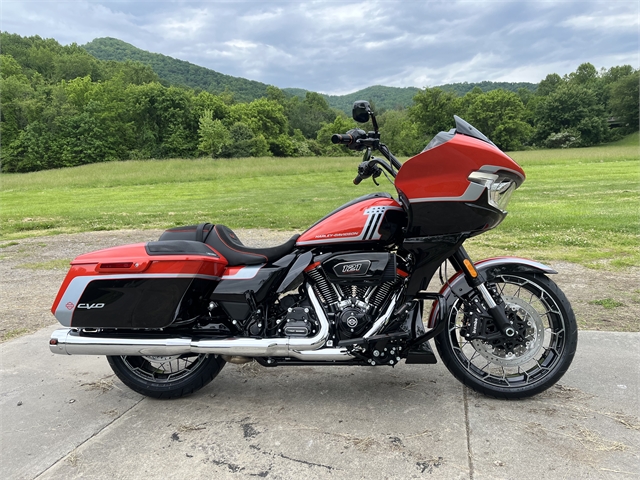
(17, 98)
(9, 66)
(213, 135)
(399, 133)
(433, 110)
(571, 108)
(244, 143)
(164, 125)
(500, 116)
(309, 114)
(624, 95)
(586, 75)
(549, 85)
(616, 73)
(276, 95)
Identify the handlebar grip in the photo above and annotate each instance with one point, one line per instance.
(345, 139)
(357, 180)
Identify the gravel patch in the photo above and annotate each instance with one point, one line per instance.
(32, 269)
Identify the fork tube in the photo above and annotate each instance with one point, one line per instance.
(476, 280)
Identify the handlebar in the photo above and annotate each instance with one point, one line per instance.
(343, 139)
(350, 139)
(368, 169)
(357, 139)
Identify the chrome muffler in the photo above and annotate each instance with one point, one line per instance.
(68, 341)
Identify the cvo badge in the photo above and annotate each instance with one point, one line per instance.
(90, 306)
(352, 269)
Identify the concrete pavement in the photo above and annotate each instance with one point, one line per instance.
(68, 417)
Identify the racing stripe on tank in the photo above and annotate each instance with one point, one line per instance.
(373, 227)
(368, 227)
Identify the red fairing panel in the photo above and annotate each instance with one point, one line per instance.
(441, 173)
(131, 261)
(359, 222)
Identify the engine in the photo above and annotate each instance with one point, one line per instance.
(354, 287)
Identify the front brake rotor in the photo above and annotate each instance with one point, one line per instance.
(529, 332)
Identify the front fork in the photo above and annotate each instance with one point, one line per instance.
(461, 262)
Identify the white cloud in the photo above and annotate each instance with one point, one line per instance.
(183, 27)
(608, 23)
(347, 45)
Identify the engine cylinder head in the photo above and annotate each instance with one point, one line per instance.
(322, 285)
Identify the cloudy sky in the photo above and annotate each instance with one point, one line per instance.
(340, 47)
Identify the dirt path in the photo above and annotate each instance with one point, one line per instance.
(32, 269)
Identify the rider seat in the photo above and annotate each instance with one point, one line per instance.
(224, 241)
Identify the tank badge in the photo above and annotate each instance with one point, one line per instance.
(352, 269)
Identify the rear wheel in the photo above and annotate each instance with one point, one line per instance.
(535, 359)
(166, 376)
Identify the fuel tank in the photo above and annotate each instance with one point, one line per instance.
(375, 218)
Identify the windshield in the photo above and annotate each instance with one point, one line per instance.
(462, 127)
(465, 128)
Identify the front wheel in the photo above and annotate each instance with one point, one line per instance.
(546, 340)
(166, 376)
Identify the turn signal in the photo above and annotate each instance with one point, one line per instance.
(470, 268)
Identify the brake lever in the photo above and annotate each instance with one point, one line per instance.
(376, 173)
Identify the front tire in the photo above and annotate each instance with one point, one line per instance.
(166, 377)
(548, 333)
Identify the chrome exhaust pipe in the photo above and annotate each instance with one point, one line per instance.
(69, 341)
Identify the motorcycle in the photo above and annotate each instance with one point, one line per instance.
(350, 290)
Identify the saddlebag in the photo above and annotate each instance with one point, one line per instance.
(136, 286)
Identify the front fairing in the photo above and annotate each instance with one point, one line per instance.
(445, 187)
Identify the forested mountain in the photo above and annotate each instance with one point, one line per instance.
(461, 89)
(392, 98)
(385, 98)
(177, 72)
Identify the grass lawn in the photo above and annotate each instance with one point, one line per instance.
(579, 205)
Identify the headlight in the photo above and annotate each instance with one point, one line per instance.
(499, 187)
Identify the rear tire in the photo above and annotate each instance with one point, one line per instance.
(548, 339)
(166, 377)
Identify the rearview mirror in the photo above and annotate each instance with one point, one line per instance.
(361, 111)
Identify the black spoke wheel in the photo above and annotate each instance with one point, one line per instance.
(546, 340)
(166, 376)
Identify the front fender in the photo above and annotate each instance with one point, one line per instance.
(489, 268)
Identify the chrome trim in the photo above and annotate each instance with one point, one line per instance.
(486, 296)
(481, 177)
(325, 354)
(471, 194)
(383, 318)
(268, 347)
(69, 342)
(496, 169)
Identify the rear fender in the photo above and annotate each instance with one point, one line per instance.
(489, 268)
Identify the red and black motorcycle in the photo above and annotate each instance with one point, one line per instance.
(350, 290)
